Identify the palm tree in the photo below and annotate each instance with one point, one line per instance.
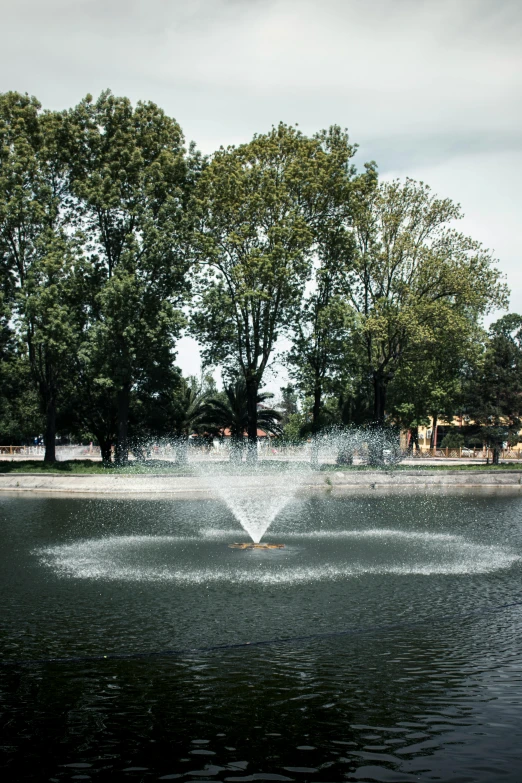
(229, 411)
(189, 412)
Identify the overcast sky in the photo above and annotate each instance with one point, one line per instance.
(428, 88)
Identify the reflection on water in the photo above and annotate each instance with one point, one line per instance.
(430, 701)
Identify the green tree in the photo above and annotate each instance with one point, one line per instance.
(229, 410)
(495, 388)
(413, 275)
(189, 413)
(289, 401)
(321, 340)
(294, 428)
(453, 440)
(431, 380)
(20, 419)
(154, 408)
(323, 325)
(90, 411)
(130, 183)
(257, 206)
(320, 350)
(37, 251)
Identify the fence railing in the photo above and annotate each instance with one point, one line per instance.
(63, 452)
(266, 449)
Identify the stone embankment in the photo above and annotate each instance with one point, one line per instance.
(191, 486)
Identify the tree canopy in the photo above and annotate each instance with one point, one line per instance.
(115, 237)
(258, 208)
(414, 279)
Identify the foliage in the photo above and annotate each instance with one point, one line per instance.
(294, 430)
(322, 345)
(130, 180)
(108, 226)
(288, 403)
(431, 380)
(258, 205)
(452, 440)
(37, 253)
(189, 407)
(322, 329)
(414, 278)
(20, 418)
(494, 392)
(229, 411)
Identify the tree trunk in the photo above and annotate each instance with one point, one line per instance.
(236, 449)
(433, 439)
(252, 387)
(316, 411)
(50, 431)
(182, 444)
(379, 398)
(314, 452)
(375, 452)
(375, 440)
(415, 439)
(139, 452)
(375, 446)
(122, 441)
(345, 453)
(345, 457)
(105, 445)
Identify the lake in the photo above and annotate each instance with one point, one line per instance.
(381, 644)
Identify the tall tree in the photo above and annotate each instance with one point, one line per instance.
(288, 402)
(49, 313)
(20, 418)
(431, 381)
(257, 205)
(325, 321)
(495, 388)
(130, 183)
(37, 251)
(413, 276)
(321, 346)
(320, 351)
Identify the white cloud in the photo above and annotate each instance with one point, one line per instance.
(385, 67)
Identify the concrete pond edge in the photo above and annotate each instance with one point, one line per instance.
(161, 484)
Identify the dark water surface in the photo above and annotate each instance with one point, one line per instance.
(427, 684)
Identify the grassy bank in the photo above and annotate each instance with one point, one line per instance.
(87, 467)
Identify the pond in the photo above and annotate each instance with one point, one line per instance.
(381, 644)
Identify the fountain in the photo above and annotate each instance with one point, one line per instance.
(255, 495)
